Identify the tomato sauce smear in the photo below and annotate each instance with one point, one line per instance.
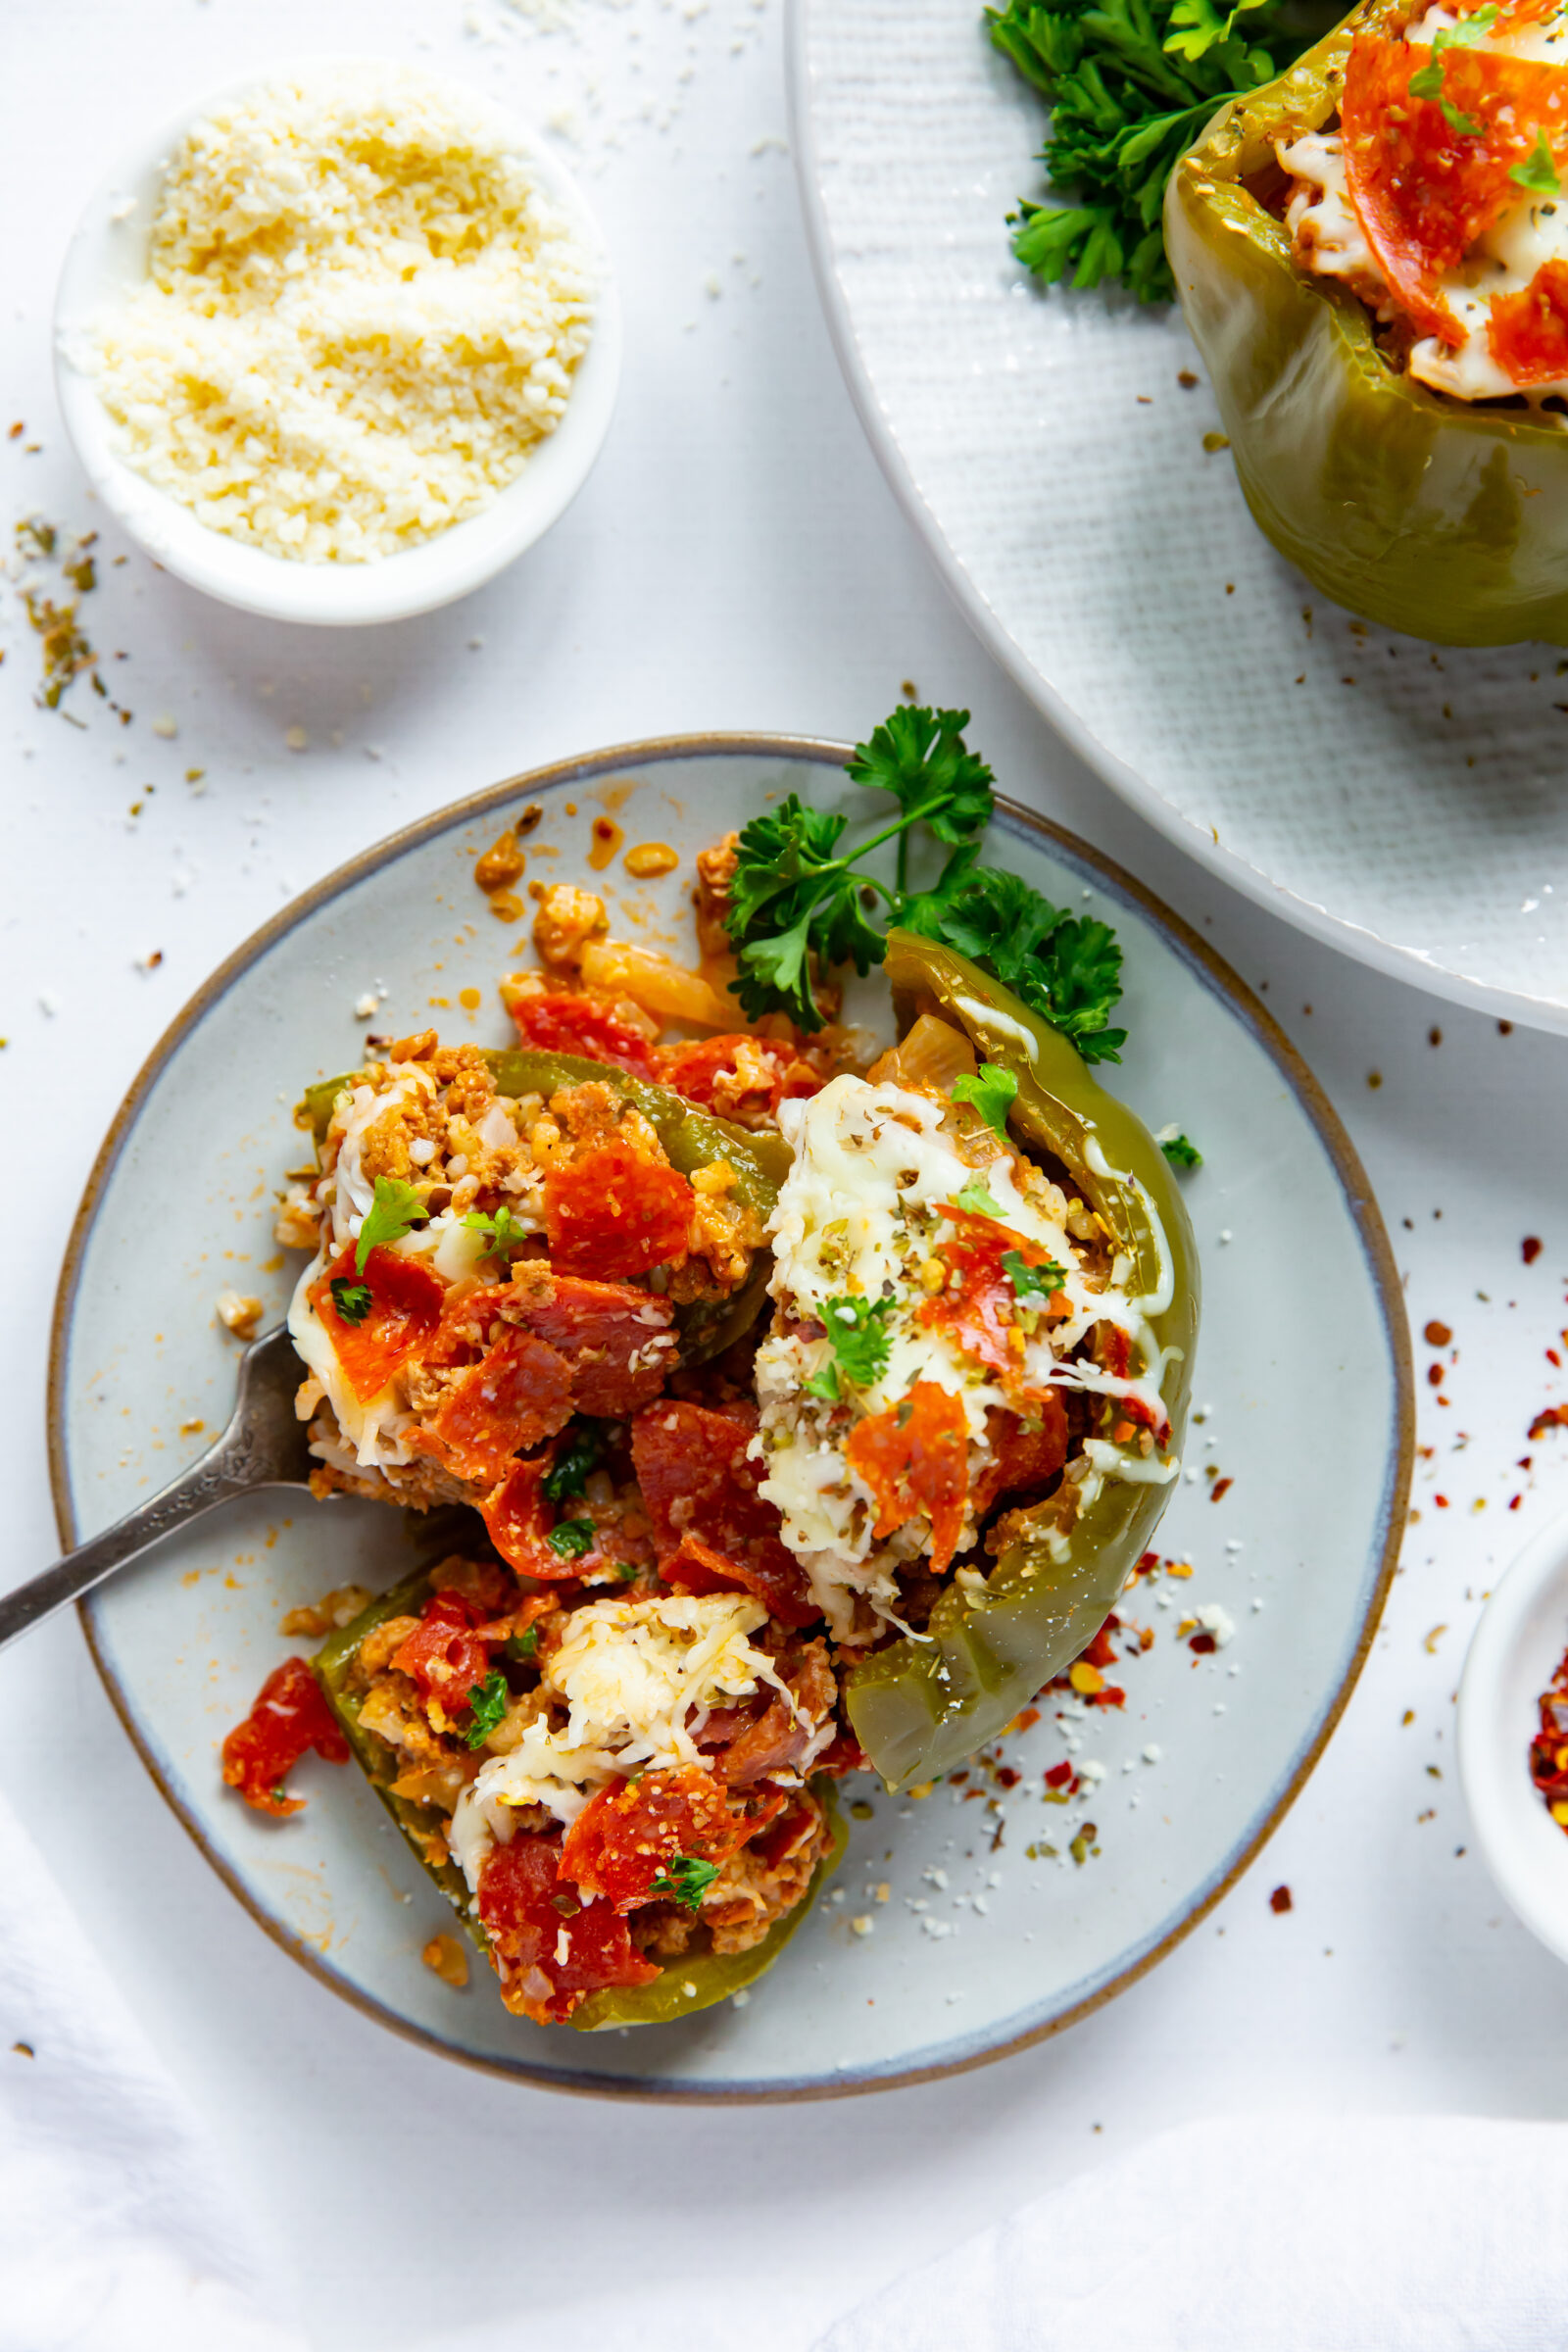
(586, 1027)
(290, 1717)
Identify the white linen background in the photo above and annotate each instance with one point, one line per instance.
(735, 561)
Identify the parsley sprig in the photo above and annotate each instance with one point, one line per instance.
(800, 901)
(1130, 84)
(1178, 1148)
(686, 1881)
(393, 1212)
(993, 1091)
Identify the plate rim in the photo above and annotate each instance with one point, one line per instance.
(1343, 1159)
(1201, 843)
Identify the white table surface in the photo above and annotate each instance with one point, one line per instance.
(736, 561)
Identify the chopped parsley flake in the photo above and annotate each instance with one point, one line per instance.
(1180, 1151)
(570, 1538)
(860, 1341)
(686, 1881)
(524, 1646)
(488, 1700)
(1537, 174)
(1032, 1286)
(506, 1232)
(579, 1456)
(993, 1091)
(396, 1209)
(977, 1200)
(351, 1298)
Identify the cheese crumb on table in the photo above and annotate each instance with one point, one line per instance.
(361, 317)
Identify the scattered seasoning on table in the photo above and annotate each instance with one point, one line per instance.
(1280, 1899)
(1530, 1248)
(1548, 1750)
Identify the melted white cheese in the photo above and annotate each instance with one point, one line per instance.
(638, 1680)
(862, 1214)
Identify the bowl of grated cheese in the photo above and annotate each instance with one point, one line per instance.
(339, 343)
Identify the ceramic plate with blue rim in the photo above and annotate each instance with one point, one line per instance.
(964, 1923)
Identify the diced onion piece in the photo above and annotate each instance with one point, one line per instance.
(655, 982)
(933, 1054)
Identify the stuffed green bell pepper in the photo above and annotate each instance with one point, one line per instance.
(607, 1884)
(1372, 256)
(503, 1239)
(972, 1393)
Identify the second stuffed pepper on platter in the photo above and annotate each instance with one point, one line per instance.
(1371, 253)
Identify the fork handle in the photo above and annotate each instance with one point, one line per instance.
(208, 1481)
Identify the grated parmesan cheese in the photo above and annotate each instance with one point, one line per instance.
(360, 318)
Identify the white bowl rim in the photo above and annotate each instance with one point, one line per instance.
(395, 587)
(1525, 1850)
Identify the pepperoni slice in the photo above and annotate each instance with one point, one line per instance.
(1423, 189)
(519, 1516)
(698, 1481)
(617, 1342)
(582, 1025)
(550, 1952)
(444, 1654)
(399, 1323)
(916, 1459)
(976, 1308)
(289, 1717)
(610, 1212)
(518, 1396)
(1022, 1458)
(1529, 333)
(779, 1585)
(626, 1835)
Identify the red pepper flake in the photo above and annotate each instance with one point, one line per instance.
(1009, 1774)
(1435, 1376)
(1058, 1776)
(1530, 1248)
(1442, 1502)
(1109, 1694)
(1552, 1416)
(1552, 1357)
(1280, 1899)
(1514, 1500)
(1548, 1749)
(1221, 1486)
(1437, 1335)
(1203, 1644)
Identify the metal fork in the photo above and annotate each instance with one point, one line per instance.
(264, 1445)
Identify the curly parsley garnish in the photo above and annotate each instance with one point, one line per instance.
(351, 1298)
(993, 1091)
(488, 1700)
(579, 1456)
(1177, 1150)
(686, 1881)
(505, 1231)
(860, 1344)
(800, 903)
(1032, 1286)
(1130, 84)
(394, 1212)
(570, 1538)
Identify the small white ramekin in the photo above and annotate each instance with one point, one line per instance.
(108, 255)
(1522, 1635)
